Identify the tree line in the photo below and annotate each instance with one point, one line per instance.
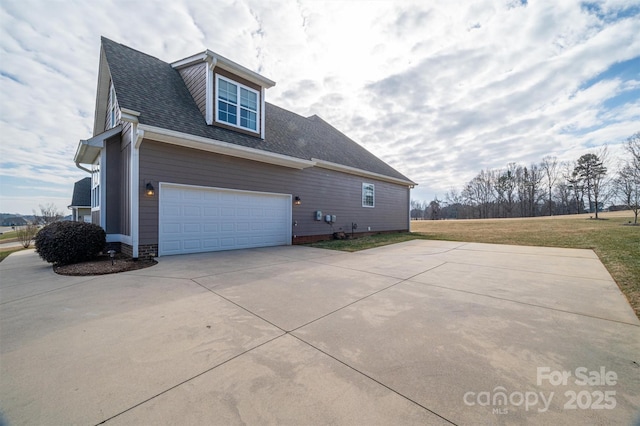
(550, 187)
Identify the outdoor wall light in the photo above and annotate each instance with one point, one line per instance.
(150, 190)
(297, 201)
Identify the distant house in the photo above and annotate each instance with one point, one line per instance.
(14, 221)
(81, 201)
(188, 157)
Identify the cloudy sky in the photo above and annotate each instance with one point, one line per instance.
(437, 89)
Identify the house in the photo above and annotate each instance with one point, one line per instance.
(81, 201)
(189, 157)
(14, 221)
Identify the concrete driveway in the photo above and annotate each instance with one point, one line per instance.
(423, 332)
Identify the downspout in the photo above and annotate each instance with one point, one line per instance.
(83, 168)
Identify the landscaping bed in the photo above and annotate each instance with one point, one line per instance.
(102, 265)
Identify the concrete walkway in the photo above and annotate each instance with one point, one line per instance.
(423, 332)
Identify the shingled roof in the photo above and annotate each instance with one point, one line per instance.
(156, 90)
(81, 193)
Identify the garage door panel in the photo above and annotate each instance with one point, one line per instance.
(211, 228)
(192, 227)
(211, 212)
(195, 219)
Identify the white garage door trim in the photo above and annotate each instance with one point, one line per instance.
(195, 219)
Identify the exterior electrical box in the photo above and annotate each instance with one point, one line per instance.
(318, 215)
(330, 218)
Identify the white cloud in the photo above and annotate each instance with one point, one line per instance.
(437, 89)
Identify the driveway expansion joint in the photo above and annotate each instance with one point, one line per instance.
(374, 380)
(526, 303)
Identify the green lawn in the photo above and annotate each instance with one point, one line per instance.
(615, 242)
(6, 252)
(8, 235)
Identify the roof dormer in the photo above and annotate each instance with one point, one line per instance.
(228, 95)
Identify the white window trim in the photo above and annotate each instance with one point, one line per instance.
(219, 77)
(114, 112)
(373, 187)
(96, 174)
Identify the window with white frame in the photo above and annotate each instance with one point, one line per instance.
(368, 195)
(95, 186)
(236, 105)
(113, 108)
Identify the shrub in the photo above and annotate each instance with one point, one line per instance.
(63, 243)
(26, 233)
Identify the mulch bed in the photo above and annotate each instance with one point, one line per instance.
(102, 265)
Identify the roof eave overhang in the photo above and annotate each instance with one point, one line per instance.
(88, 150)
(220, 61)
(219, 147)
(360, 172)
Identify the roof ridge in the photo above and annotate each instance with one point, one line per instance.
(103, 39)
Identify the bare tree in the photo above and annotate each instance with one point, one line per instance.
(529, 189)
(454, 201)
(479, 192)
(549, 166)
(505, 188)
(26, 234)
(49, 213)
(434, 209)
(627, 185)
(627, 182)
(632, 146)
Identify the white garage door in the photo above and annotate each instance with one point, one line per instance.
(196, 219)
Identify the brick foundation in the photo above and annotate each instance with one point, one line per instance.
(147, 251)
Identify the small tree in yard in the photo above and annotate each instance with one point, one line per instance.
(627, 185)
(26, 234)
(591, 169)
(64, 243)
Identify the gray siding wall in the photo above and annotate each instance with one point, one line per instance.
(125, 179)
(95, 217)
(331, 192)
(195, 77)
(113, 179)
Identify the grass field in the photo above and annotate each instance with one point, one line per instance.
(616, 244)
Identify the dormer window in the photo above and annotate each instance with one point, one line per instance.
(236, 104)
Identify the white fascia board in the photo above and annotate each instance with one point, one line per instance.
(191, 60)
(225, 64)
(88, 150)
(359, 172)
(219, 147)
(129, 115)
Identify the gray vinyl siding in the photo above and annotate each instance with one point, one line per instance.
(331, 192)
(125, 186)
(195, 78)
(113, 186)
